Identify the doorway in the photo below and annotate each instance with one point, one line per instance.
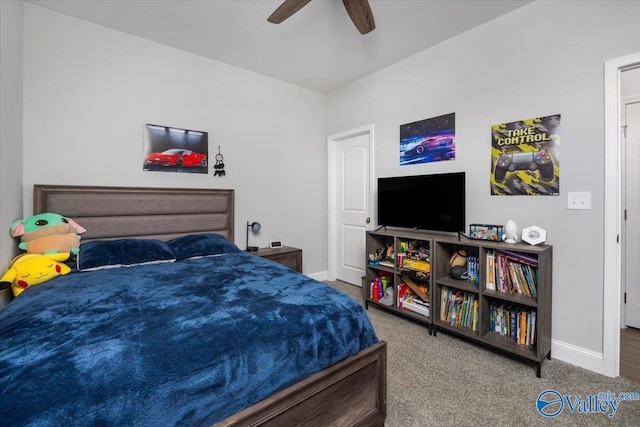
(630, 118)
(630, 162)
(613, 215)
(350, 161)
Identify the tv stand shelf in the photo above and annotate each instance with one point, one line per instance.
(515, 320)
(382, 239)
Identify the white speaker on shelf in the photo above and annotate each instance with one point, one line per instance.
(510, 232)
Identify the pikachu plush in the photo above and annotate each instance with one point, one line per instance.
(33, 269)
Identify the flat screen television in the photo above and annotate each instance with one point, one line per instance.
(425, 202)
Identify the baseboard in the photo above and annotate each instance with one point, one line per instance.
(320, 276)
(587, 359)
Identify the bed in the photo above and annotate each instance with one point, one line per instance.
(216, 336)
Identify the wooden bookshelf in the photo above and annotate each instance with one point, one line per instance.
(540, 258)
(382, 240)
(529, 293)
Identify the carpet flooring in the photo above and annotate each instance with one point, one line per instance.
(444, 380)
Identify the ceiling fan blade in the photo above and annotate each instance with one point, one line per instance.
(360, 13)
(286, 9)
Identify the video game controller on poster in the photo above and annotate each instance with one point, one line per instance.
(540, 161)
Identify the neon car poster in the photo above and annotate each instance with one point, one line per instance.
(525, 157)
(171, 149)
(428, 140)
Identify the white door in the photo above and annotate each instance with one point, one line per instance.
(632, 224)
(351, 202)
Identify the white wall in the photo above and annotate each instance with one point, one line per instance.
(10, 124)
(88, 90)
(630, 83)
(542, 59)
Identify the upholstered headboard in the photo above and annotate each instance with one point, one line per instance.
(159, 213)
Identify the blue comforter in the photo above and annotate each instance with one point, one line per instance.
(184, 343)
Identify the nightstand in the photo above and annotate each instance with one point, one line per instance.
(6, 295)
(286, 255)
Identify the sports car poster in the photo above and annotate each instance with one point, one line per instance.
(428, 140)
(171, 149)
(525, 157)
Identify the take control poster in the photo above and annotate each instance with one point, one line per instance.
(525, 157)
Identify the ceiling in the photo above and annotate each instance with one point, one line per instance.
(317, 48)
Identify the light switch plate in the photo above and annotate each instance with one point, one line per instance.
(579, 200)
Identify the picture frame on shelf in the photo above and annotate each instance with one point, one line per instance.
(486, 232)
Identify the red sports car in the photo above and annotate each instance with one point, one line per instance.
(431, 144)
(177, 157)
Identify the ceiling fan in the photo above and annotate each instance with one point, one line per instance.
(359, 11)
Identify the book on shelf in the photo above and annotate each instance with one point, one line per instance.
(403, 290)
(416, 305)
(417, 265)
(491, 270)
(474, 321)
(513, 322)
(531, 277)
(413, 297)
(532, 341)
(513, 275)
(519, 257)
(473, 269)
(459, 308)
(515, 279)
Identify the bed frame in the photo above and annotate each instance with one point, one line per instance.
(351, 393)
